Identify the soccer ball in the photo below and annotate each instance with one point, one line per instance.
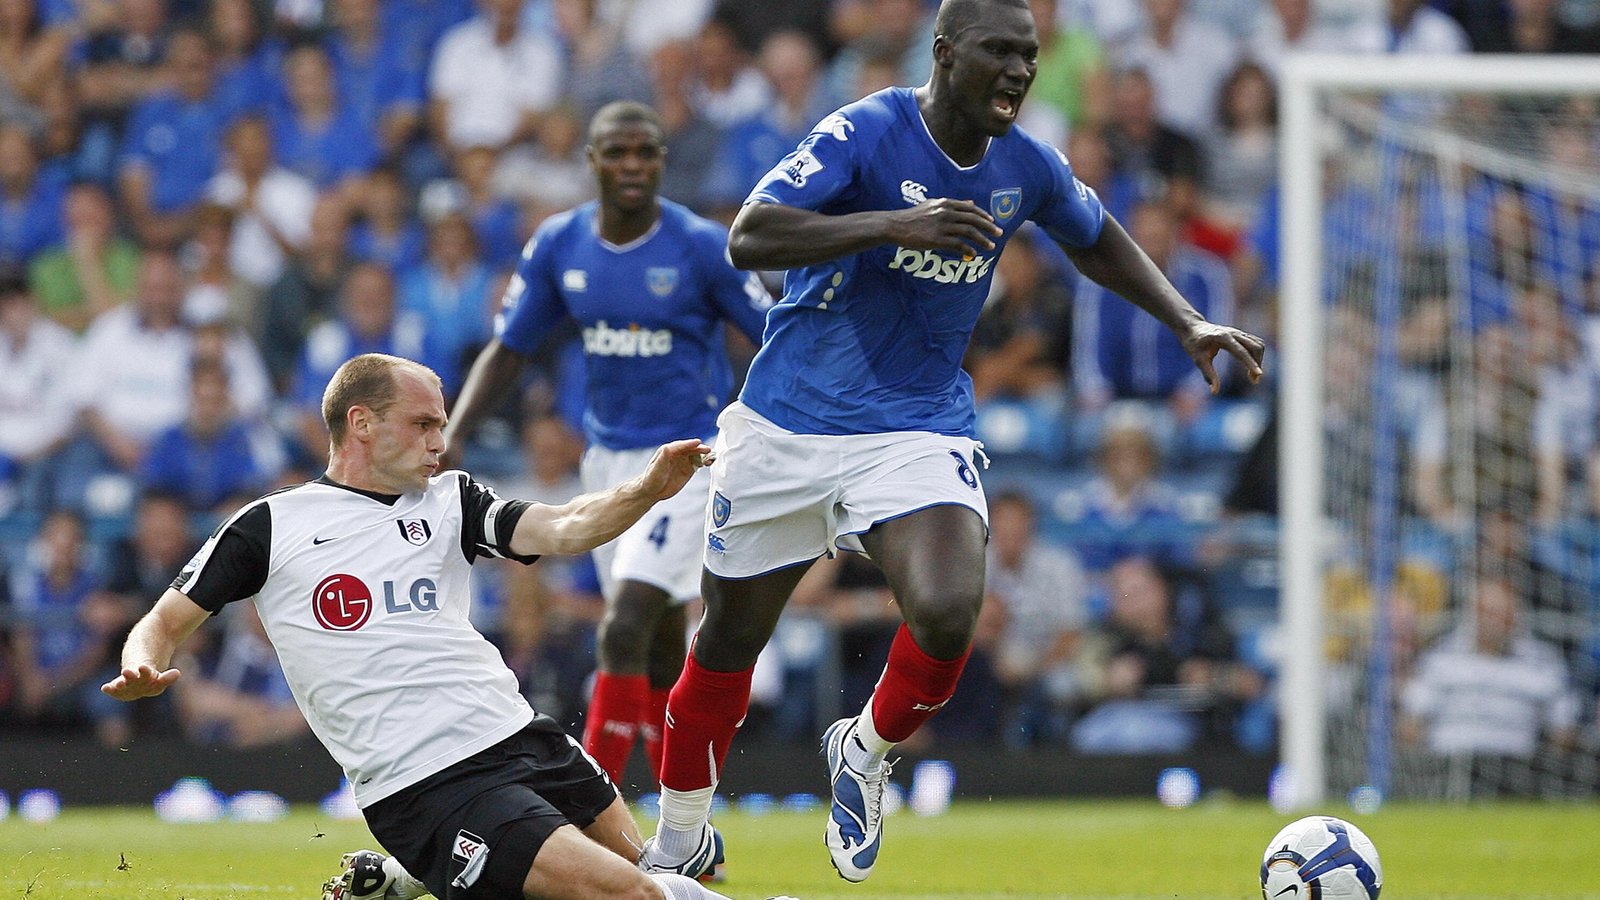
(1321, 858)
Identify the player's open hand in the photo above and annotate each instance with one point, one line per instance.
(1206, 339)
(144, 681)
(957, 226)
(672, 466)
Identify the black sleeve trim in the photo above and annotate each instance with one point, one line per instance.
(487, 522)
(232, 564)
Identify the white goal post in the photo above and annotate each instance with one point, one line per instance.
(1307, 84)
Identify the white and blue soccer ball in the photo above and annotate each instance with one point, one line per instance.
(1321, 858)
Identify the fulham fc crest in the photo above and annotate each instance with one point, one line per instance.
(415, 531)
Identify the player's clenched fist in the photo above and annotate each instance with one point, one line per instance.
(960, 226)
(672, 466)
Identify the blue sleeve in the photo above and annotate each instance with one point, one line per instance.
(532, 305)
(819, 171)
(740, 296)
(1071, 213)
(132, 150)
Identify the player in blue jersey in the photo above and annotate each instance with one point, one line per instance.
(651, 286)
(855, 427)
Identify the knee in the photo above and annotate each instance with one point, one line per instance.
(943, 623)
(623, 641)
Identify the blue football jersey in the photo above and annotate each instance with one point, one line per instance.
(873, 342)
(651, 313)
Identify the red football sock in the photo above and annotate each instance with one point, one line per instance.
(613, 719)
(655, 718)
(703, 712)
(913, 687)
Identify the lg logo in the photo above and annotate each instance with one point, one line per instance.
(344, 602)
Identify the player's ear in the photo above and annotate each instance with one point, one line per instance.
(942, 51)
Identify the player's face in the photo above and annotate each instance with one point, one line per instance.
(992, 65)
(627, 162)
(408, 439)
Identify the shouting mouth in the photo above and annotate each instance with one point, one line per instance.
(1006, 103)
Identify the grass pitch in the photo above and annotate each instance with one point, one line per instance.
(1133, 850)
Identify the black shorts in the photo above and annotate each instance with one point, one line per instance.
(507, 799)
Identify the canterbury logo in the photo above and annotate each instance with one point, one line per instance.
(929, 264)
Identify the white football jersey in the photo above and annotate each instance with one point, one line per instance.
(365, 596)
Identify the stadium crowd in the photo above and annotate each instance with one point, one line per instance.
(206, 206)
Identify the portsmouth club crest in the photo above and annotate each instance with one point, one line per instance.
(663, 280)
(1004, 204)
(720, 508)
(415, 531)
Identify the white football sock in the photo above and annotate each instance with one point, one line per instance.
(864, 749)
(680, 887)
(684, 815)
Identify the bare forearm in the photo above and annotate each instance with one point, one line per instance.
(149, 644)
(1116, 263)
(772, 236)
(583, 523)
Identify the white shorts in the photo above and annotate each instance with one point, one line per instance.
(663, 548)
(780, 498)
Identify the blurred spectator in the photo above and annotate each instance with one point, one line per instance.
(271, 205)
(30, 197)
(1161, 680)
(598, 68)
(1242, 152)
(1124, 509)
(32, 54)
(386, 232)
(1411, 26)
(61, 644)
(145, 561)
(690, 139)
(210, 459)
(1530, 26)
(497, 222)
(368, 323)
(132, 373)
(491, 79)
(1187, 60)
(208, 266)
(1563, 431)
(96, 268)
(381, 83)
(235, 695)
(723, 86)
(1039, 593)
(1024, 335)
(896, 30)
(450, 294)
(36, 408)
(553, 174)
(118, 60)
(1294, 26)
(173, 145)
(650, 25)
(755, 23)
(749, 148)
(316, 134)
(1157, 160)
(248, 61)
(1073, 78)
(1120, 352)
(307, 292)
(1091, 163)
(1490, 687)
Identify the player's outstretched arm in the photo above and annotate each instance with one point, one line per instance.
(775, 236)
(586, 522)
(148, 651)
(496, 366)
(1118, 264)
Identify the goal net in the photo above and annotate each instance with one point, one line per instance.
(1440, 327)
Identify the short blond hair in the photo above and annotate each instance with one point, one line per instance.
(366, 380)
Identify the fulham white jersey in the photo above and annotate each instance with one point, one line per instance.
(365, 596)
